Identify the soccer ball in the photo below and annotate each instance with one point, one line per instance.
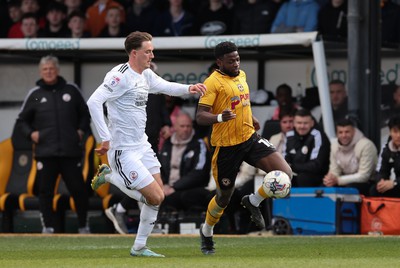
(277, 184)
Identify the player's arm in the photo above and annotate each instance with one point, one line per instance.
(205, 117)
(95, 104)
(160, 85)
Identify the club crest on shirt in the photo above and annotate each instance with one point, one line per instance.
(133, 175)
(114, 81)
(240, 87)
(304, 150)
(226, 182)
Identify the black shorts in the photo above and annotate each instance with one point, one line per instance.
(226, 161)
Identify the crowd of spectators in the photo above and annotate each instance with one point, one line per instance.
(116, 18)
(351, 159)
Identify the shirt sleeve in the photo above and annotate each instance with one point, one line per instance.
(159, 85)
(209, 97)
(112, 87)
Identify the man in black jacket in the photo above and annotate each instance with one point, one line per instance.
(388, 169)
(185, 167)
(307, 151)
(55, 117)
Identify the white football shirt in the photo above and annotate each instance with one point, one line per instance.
(125, 93)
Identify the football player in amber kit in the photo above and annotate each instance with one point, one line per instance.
(226, 106)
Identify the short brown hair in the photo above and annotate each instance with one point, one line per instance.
(135, 39)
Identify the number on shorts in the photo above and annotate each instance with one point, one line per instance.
(265, 142)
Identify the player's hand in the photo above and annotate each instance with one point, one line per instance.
(104, 147)
(198, 88)
(227, 115)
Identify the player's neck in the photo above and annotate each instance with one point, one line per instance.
(221, 72)
(136, 68)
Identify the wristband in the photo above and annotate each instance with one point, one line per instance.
(219, 118)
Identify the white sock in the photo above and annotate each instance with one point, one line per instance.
(148, 217)
(135, 194)
(256, 199)
(120, 208)
(207, 230)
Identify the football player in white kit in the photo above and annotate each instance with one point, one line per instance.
(135, 169)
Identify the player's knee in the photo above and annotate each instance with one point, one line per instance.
(156, 200)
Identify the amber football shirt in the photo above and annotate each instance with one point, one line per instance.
(225, 92)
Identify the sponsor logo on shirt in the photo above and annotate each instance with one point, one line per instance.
(140, 103)
(114, 81)
(235, 100)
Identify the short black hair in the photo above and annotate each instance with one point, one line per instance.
(285, 88)
(303, 112)
(286, 112)
(30, 15)
(223, 48)
(336, 81)
(56, 6)
(76, 13)
(347, 121)
(14, 3)
(394, 121)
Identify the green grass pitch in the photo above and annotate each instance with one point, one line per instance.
(184, 251)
